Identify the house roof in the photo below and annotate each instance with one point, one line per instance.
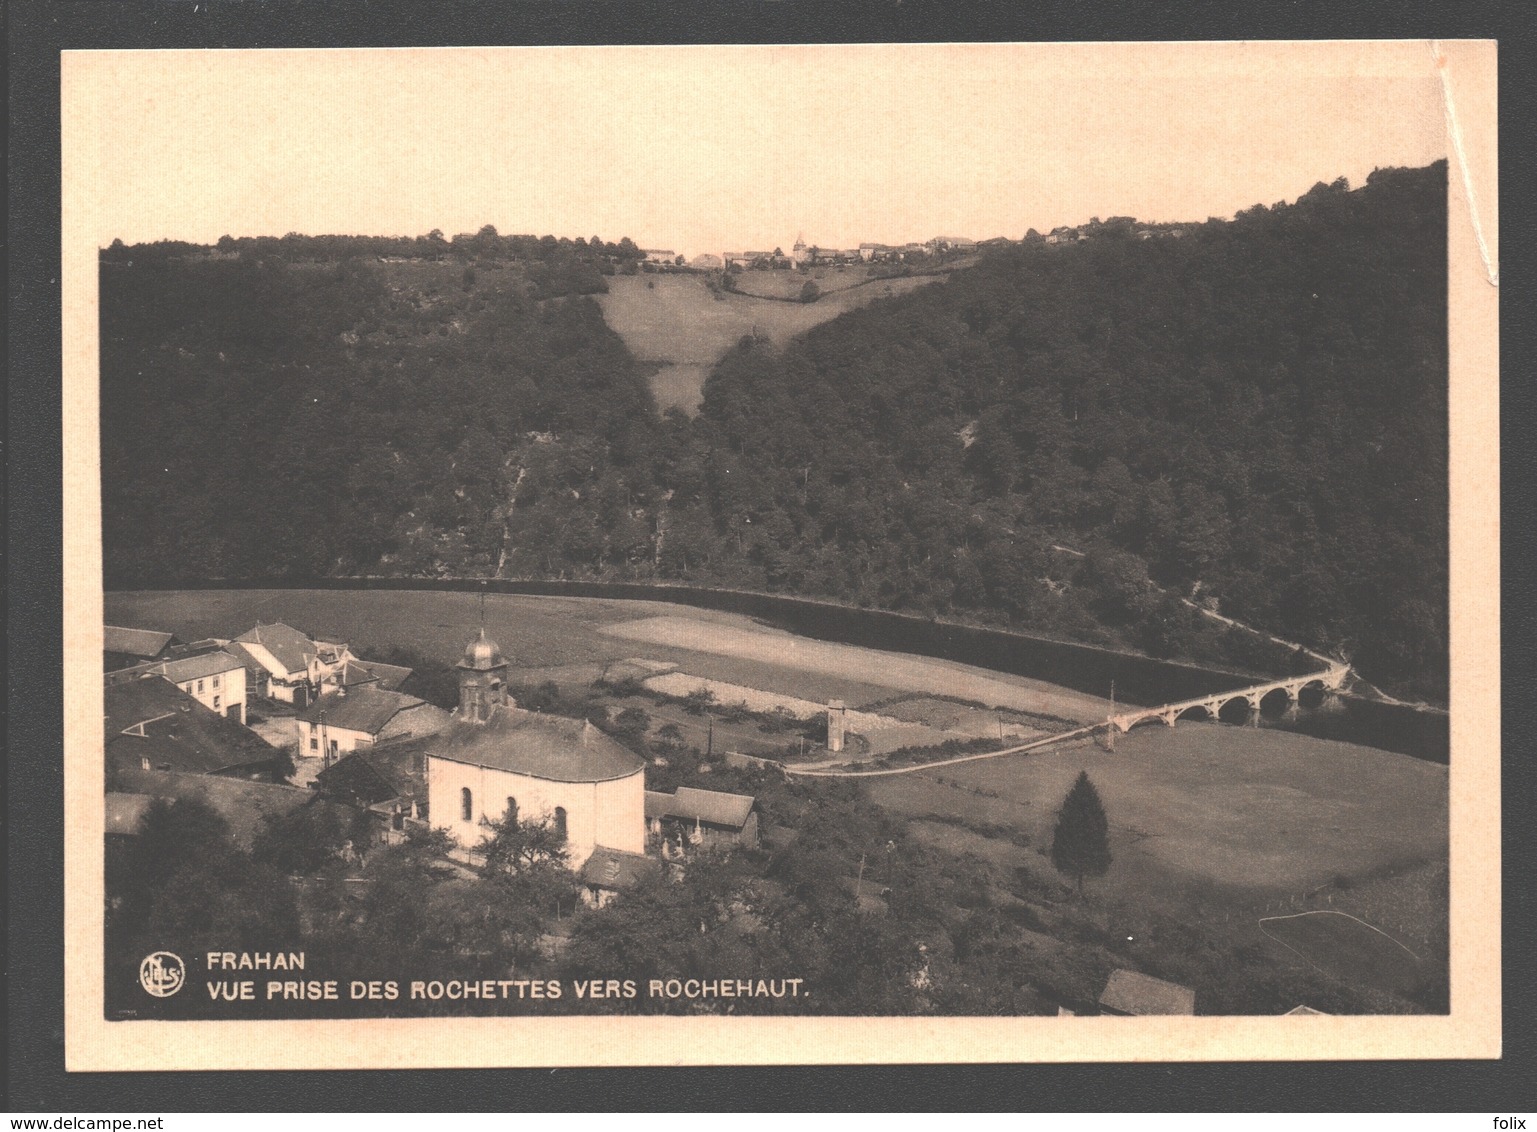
(196, 667)
(712, 806)
(618, 870)
(365, 708)
(541, 746)
(1131, 992)
(368, 778)
(391, 676)
(179, 733)
(135, 642)
(136, 701)
(352, 674)
(125, 812)
(658, 805)
(289, 647)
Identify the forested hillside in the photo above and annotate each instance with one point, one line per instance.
(1252, 415)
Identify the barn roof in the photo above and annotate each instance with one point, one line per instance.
(538, 745)
(135, 642)
(712, 806)
(365, 708)
(1131, 992)
(658, 805)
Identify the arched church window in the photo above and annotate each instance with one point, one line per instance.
(466, 804)
(560, 821)
(512, 809)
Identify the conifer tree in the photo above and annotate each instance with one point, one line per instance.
(1080, 846)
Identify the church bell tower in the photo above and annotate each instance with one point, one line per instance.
(482, 680)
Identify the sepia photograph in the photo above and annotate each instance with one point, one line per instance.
(775, 554)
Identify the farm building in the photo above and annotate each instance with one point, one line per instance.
(1132, 994)
(341, 721)
(703, 817)
(494, 758)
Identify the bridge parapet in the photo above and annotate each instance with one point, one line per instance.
(1330, 679)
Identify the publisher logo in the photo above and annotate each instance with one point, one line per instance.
(162, 974)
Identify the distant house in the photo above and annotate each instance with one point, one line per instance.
(608, 872)
(152, 725)
(339, 722)
(703, 817)
(655, 255)
(124, 648)
(1132, 994)
(707, 262)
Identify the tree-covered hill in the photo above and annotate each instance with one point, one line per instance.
(1255, 412)
(1252, 414)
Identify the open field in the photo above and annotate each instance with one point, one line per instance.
(1347, 948)
(676, 323)
(1210, 806)
(892, 670)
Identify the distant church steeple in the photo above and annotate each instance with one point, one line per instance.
(482, 680)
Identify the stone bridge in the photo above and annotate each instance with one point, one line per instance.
(1328, 680)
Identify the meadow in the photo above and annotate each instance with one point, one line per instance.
(677, 325)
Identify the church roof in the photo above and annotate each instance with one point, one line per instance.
(541, 746)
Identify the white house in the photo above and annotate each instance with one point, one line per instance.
(214, 679)
(340, 722)
(493, 758)
(286, 665)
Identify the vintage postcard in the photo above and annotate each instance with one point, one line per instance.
(764, 555)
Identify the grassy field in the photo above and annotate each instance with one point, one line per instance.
(1347, 948)
(677, 324)
(1269, 812)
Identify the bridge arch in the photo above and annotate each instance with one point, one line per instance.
(1313, 693)
(1275, 702)
(1235, 709)
(1199, 713)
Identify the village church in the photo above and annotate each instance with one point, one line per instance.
(494, 758)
